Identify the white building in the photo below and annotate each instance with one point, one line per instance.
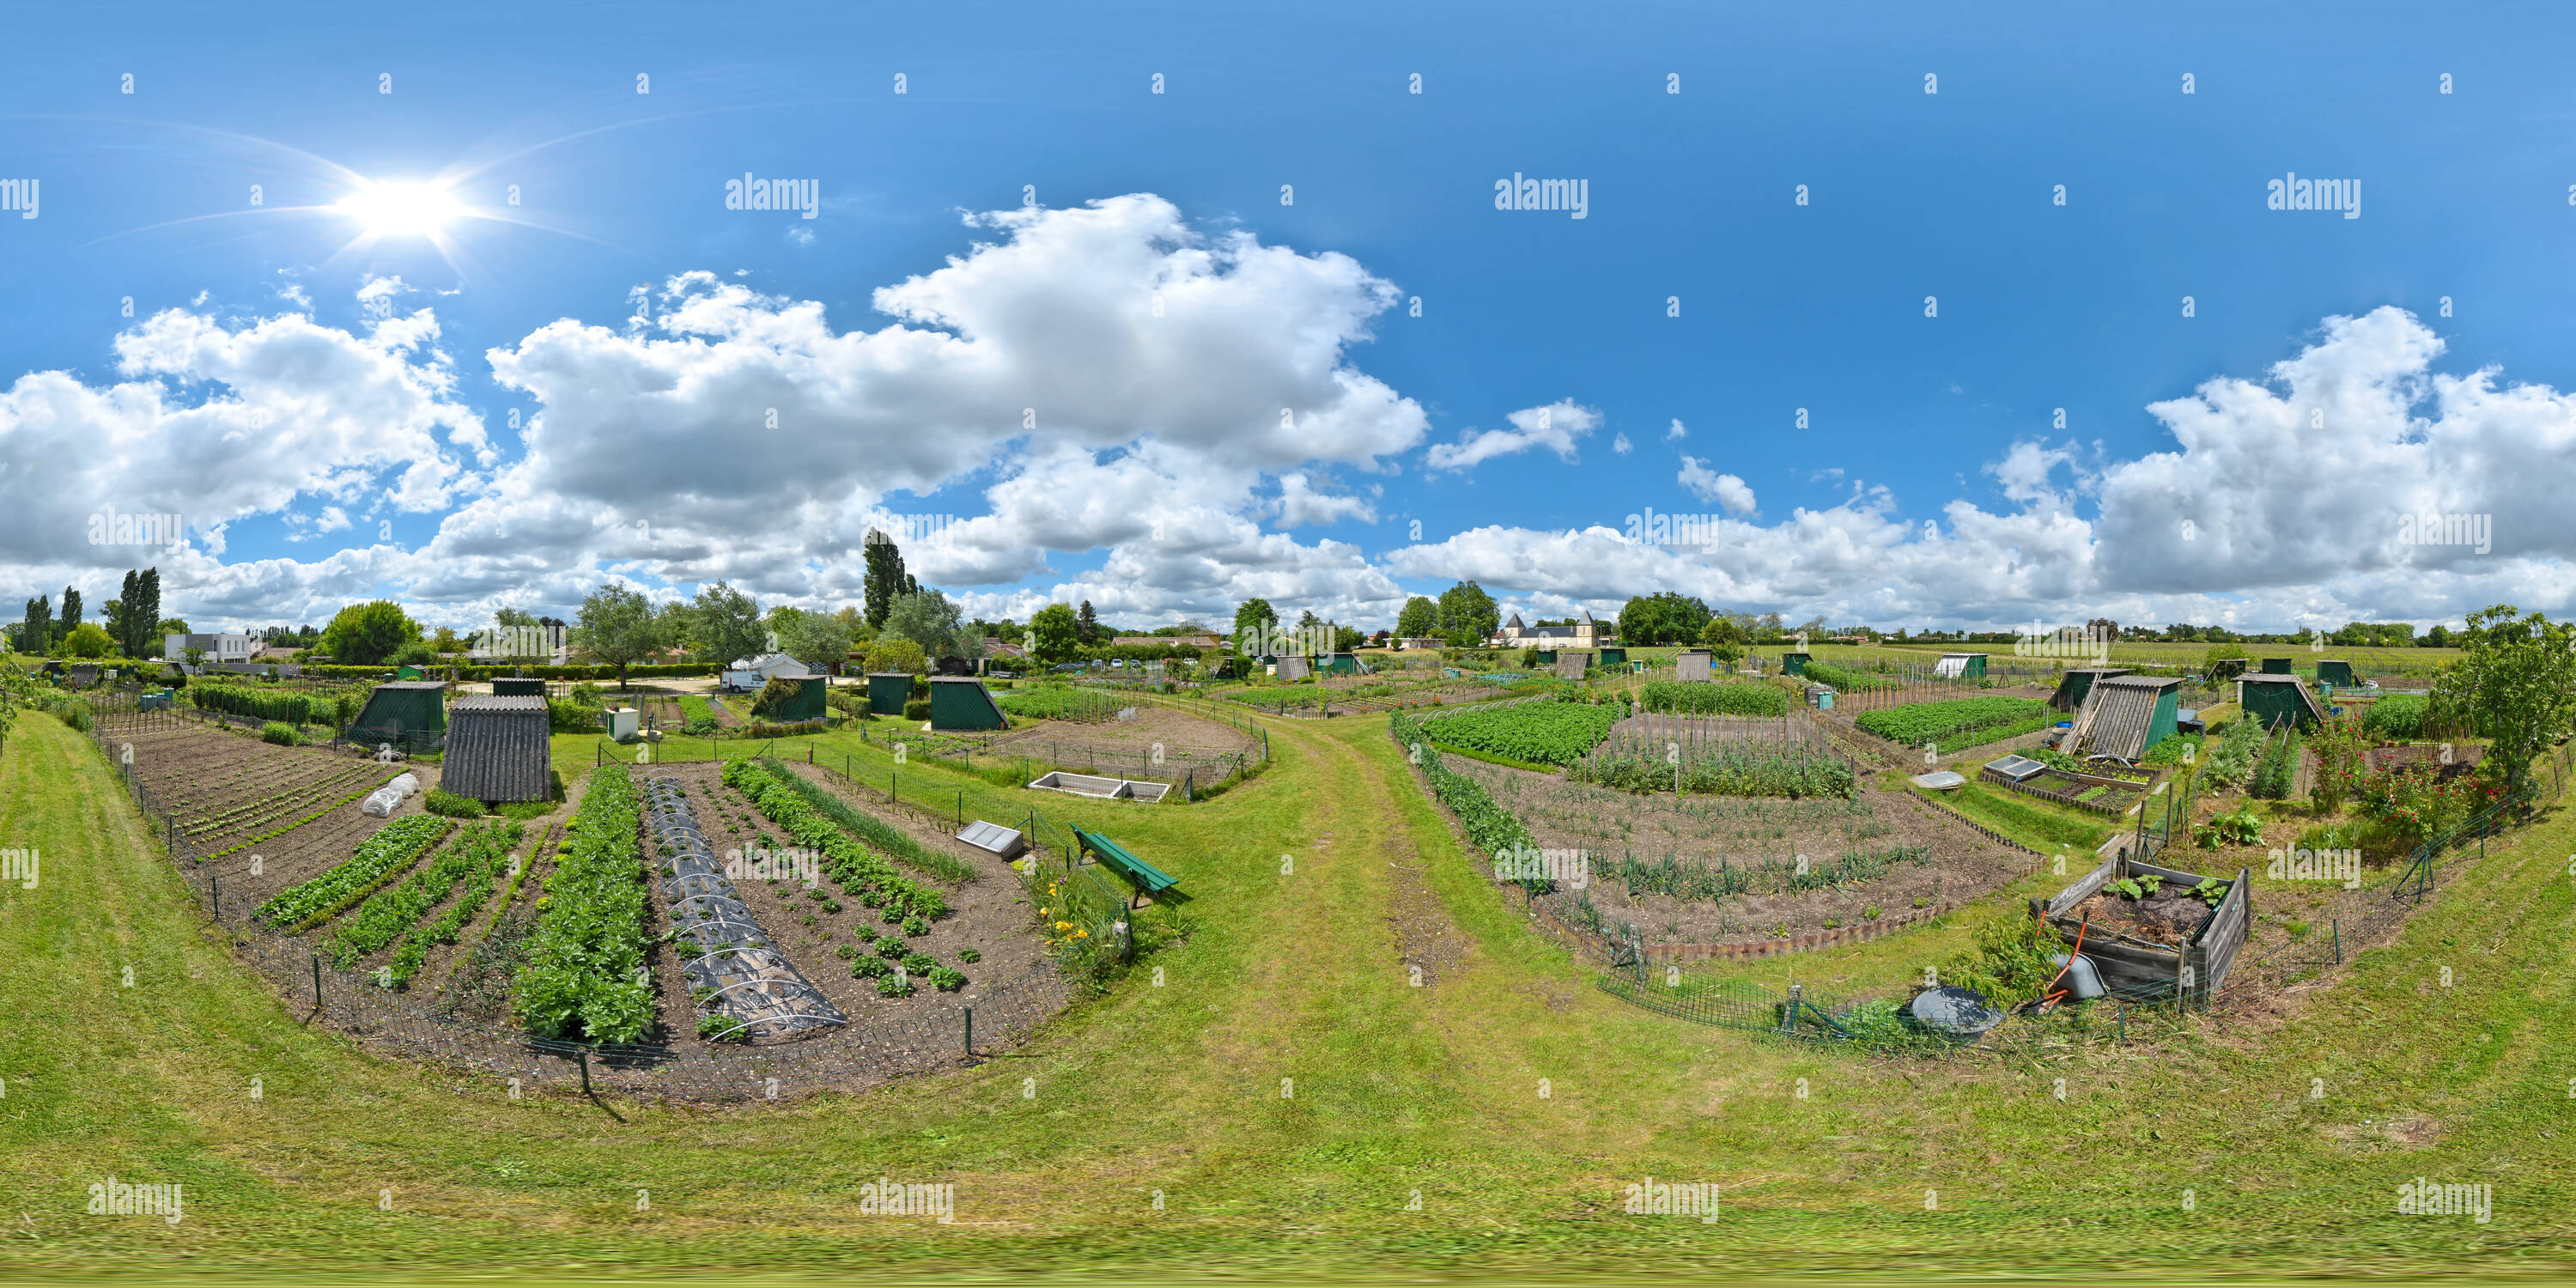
(218, 647)
(1584, 634)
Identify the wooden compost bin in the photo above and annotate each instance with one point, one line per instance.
(2126, 962)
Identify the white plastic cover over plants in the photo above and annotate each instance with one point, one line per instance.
(386, 799)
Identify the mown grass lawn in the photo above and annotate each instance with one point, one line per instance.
(1511, 1094)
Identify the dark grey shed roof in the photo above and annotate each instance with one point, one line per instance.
(497, 749)
(2116, 715)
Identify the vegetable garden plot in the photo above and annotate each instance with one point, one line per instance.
(1543, 731)
(749, 990)
(1725, 870)
(1718, 755)
(585, 963)
(1958, 723)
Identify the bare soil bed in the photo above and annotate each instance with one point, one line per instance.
(1611, 826)
(211, 767)
(1180, 733)
(990, 914)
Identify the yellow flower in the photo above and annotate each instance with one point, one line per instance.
(1082, 934)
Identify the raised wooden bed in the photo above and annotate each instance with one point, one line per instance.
(2131, 964)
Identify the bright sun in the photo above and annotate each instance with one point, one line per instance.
(401, 209)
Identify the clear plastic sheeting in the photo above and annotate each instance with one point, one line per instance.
(732, 968)
(386, 799)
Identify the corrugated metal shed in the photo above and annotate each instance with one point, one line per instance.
(497, 749)
(2124, 716)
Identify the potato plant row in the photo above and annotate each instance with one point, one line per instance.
(585, 977)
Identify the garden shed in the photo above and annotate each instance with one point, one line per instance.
(2335, 671)
(1614, 657)
(1693, 666)
(504, 686)
(2271, 699)
(402, 711)
(1339, 664)
(1793, 664)
(1961, 666)
(1571, 665)
(786, 700)
(1292, 667)
(2076, 682)
(2276, 666)
(1547, 657)
(2125, 717)
(887, 692)
(497, 749)
(962, 702)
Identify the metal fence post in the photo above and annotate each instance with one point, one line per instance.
(2338, 941)
(317, 981)
(970, 1030)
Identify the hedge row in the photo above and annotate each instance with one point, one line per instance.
(481, 673)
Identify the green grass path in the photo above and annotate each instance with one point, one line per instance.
(344, 1166)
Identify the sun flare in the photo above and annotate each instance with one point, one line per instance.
(401, 209)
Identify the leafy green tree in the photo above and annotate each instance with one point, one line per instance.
(1724, 638)
(1665, 617)
(1252, 622)
(1058, 633)
(170, 626)
(1088, 622)
(884, 580)
(725, 625)
(1469, 614)
(1420, 618)
(927, 619)
(617, 626)
(69, 619)
(88, 640)
(36, 636)
(368, 634)
(892, 653)
(2516, 686)
(514, 617)
(415, 653)
(818, 641)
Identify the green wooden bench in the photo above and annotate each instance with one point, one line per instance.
(1147, 878)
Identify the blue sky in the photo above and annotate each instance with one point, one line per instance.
(487, 420)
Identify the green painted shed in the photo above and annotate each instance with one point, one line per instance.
(2125, 716)
(2077, 682)
(1793, 664)
(786, 701)
(1547, 657)
(1338, 664)
(2273, 700)
(2276, 666)
(400, 710)
(1963, 666)
(962, 702)
(506, 686)
(887, 692)
(1614, 657)
(2335, 671)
